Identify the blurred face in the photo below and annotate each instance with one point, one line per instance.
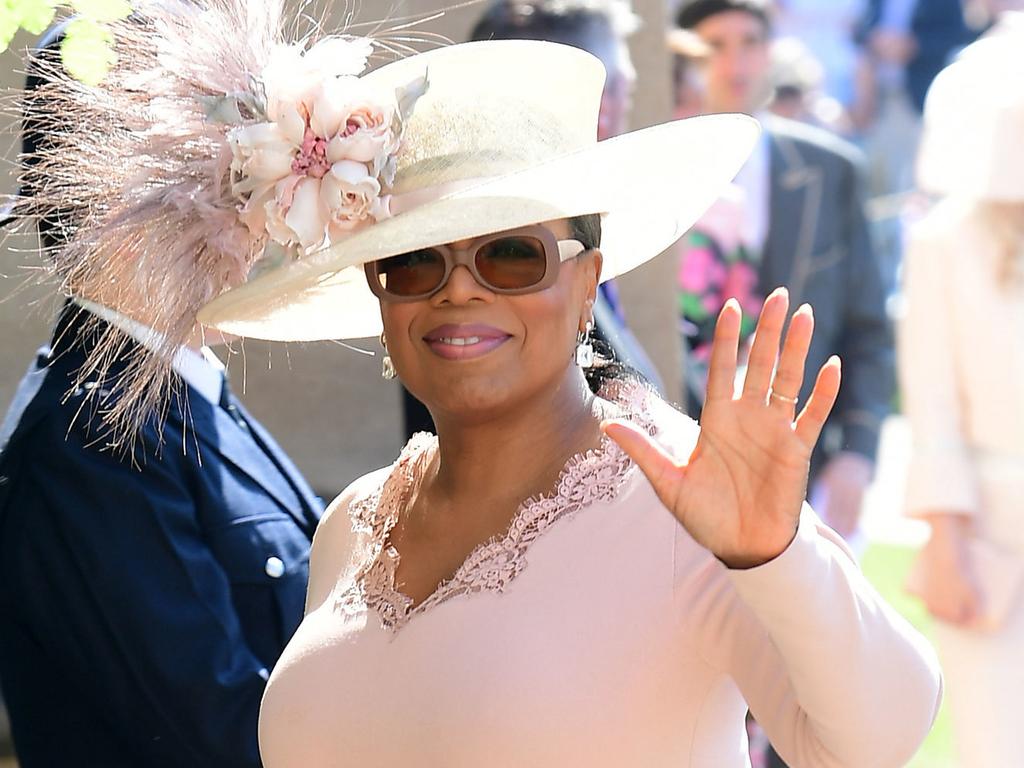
(689, 89)
(736, 73)
(470, 354)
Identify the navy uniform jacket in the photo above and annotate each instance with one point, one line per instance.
(141, 609)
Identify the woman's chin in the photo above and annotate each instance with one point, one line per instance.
(473, 398)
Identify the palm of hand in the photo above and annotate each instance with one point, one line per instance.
(751, 469)
(741, 491)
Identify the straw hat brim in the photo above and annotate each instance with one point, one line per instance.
(650, 186)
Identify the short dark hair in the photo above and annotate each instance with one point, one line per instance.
(693, 13)
(570, 23)
(587, 229)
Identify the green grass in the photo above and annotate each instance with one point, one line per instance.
(886, 566)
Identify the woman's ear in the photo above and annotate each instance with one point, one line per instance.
(595, 266)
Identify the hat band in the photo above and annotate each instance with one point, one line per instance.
(407, 201)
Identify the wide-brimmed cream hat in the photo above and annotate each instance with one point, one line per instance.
(974, 120)
(504, 136)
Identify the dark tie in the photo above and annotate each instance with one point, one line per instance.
(227, 402)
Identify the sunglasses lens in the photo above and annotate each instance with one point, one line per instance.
(411, 274)
(512, 262)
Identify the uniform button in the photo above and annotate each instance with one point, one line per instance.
(274, 567)
(233, 410)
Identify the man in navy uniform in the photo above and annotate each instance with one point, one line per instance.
(144, 598)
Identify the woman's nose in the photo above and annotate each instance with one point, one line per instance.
(462, 288)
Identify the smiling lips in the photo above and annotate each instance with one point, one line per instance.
(464, 342)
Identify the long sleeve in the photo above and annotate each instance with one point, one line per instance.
(126, 590)
(941, 476)
(867, 345)
(833, 674)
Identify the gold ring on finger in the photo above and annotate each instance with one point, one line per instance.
(784, 399)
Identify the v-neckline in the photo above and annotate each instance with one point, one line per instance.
(590, 476)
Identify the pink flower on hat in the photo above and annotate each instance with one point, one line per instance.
(316, 169)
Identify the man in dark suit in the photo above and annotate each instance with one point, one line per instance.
(919, 38)
(145, 594)
(805, 221)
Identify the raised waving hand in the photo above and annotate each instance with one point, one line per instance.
(741, 491)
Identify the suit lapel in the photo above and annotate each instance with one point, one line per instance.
(214, 428)
(295, 478)
(795, 204)
(206, 426)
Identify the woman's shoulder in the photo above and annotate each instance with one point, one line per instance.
(365, 492)
(358, 514)
(357, 491)
(336, 533)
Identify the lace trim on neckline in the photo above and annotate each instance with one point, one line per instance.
(596, 475)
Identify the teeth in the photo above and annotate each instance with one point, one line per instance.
(460, 341)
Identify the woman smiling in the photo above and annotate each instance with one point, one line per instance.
(558, 577)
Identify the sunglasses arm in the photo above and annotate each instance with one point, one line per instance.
(569, 249)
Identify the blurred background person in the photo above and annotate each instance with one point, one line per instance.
(917, 38)
(689, 56)
(715, 260)
(796, 78)
(962, 372)
(908, 42)
(828, 29)
(801, 223)
(600, 27)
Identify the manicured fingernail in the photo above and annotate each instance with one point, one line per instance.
(805, 309)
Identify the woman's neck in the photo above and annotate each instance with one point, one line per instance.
(520, 452)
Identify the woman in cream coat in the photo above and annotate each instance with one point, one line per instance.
(962, 367)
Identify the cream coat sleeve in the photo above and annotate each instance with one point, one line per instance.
(940, 476)
(833, 674)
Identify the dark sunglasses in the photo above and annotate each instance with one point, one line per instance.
(513, 262)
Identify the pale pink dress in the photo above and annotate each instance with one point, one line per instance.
(596, 633)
